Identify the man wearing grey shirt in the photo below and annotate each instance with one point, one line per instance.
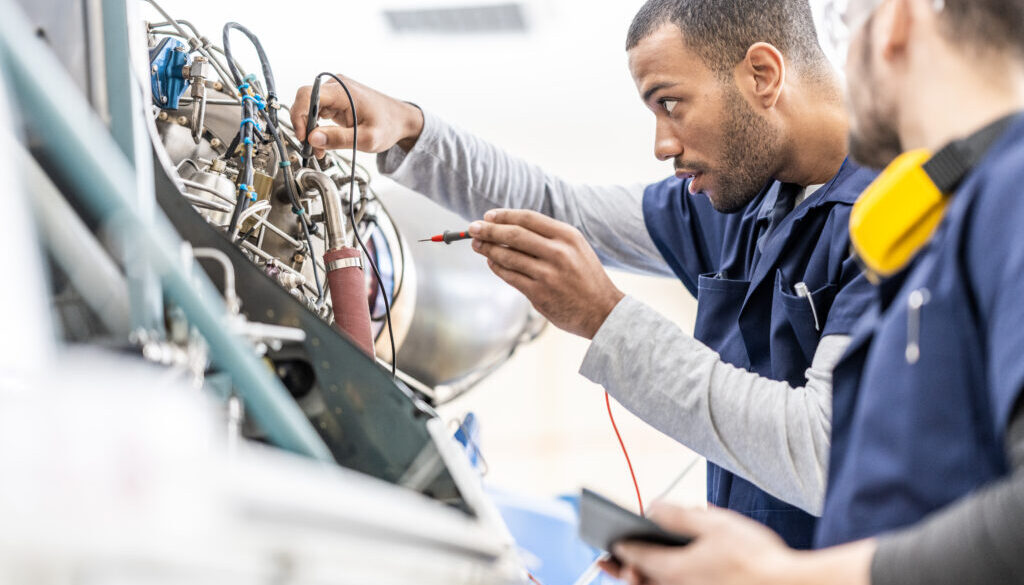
(754, 224)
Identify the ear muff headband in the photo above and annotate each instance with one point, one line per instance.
(898, 213)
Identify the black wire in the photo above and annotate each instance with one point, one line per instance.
(352, 217)
(289, 182)
(247, 177)
(268, 73)
(249, 111)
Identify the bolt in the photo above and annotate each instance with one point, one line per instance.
(183, 120)
(162, 117)
(215, 142)
(163, 99)
(218, 85)
(154, 69)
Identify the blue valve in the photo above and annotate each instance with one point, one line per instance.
(166, 61)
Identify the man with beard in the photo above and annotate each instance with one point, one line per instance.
(754, 223)
(929, 425)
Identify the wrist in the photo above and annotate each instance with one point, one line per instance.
(613, 300)
(848, 564)
(412, 126)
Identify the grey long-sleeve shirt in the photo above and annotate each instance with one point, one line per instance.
(764, 430)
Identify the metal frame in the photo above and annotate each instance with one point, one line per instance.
(79, 149)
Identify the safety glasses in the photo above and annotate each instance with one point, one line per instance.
(845, 18)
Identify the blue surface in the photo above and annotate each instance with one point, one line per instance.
(545, 529)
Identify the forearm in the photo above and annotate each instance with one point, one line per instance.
(848, 564)
(470, 176)
(770, 433)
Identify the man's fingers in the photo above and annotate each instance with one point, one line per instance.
(299, 110)
(662, 564)
(334, 105)
(688, 522)
(513, 236)
(611, 567)
(520, 282)
(508, 258)
(531, 220)
(339, 137)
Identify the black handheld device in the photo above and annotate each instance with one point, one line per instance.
(604, 523)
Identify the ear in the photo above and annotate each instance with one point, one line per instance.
(895, 24)
(762, 74)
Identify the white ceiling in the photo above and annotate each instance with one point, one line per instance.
(560, 95)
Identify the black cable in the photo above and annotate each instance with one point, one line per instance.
(249, 112)
(289, 182)
(352, 216)
(268, 74)
(247, 133)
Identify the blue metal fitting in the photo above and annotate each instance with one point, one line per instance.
(166, 61)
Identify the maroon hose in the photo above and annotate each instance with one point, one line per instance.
(348, 296)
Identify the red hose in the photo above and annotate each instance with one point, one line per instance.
(348, 297)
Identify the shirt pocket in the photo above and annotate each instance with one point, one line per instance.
(719, 302)
(800, 317)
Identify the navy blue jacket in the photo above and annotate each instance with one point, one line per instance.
(747, 308)
(911, 436)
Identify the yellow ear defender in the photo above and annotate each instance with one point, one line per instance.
(898, 213)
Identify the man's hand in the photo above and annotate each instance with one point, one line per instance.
(730, 549)
(383, 120)
(550, 263)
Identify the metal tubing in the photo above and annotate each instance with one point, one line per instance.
(83, 154)
(337, 238)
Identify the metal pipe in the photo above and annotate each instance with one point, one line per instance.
(84, 155)
(268, 258)
(185, 101)
(281, 234)
(230, 294)
(206, 203)
(254, 209)
(337, 236)
(83, 259)
(210, 190)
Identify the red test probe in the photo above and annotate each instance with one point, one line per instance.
(449, 236)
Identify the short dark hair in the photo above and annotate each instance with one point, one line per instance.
(721, 31)
(986, 24)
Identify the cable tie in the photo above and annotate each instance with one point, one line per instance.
(254, 123)
(284, 163)
(298, 210)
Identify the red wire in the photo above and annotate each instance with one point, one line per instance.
(534, 579)
(636, 486)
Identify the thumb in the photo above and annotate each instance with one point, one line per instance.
(340, 137)
(331, 137)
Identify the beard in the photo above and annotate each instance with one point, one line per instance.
(874, 140)
(750, 155)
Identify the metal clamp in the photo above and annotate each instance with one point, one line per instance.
(356, 262)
